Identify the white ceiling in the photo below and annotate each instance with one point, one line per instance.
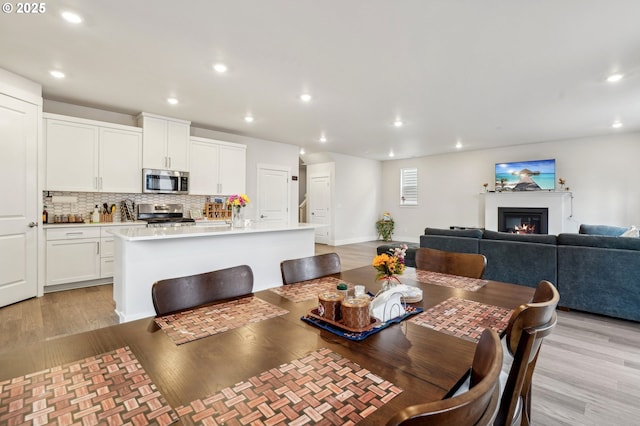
(486, 73)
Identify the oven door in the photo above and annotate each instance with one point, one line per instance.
(162, 181)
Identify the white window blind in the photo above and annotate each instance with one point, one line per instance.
(409, 187)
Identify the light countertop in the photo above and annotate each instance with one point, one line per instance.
(142, 234)
(137, 223)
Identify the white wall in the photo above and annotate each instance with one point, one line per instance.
(356, 197)
(601, 172)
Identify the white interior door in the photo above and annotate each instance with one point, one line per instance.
(18, 208)
(319, 199)
(273, 194)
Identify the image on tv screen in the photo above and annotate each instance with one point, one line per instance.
(538, 175)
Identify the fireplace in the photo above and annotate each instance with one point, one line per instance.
(523, 220)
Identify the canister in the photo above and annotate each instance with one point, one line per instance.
(329, 305)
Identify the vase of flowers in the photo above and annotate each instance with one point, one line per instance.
(237, 203)
(389, 266)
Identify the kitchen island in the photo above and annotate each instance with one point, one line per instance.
(146, 255)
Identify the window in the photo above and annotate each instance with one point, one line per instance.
(409, 187)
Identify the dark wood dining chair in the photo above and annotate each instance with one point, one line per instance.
(176, 294)
(470, 265)
(308, 268)
(477, 406)
(528, 326)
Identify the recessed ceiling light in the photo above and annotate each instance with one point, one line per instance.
(305, 97)
(323, 139)
(221, 68)
(398, 123)
(71, 17)
(391, 154)
(302, 151)
(248, 119)
(57, 74)
(172, 101)
(613, 78)
(617, 124)
(459, 145)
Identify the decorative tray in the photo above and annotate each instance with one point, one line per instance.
(339, 324)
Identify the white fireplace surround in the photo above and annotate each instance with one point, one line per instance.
(557, 202)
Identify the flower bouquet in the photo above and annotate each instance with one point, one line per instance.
(390, 265)
(236, 203)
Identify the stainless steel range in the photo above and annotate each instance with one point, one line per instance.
(163, 215)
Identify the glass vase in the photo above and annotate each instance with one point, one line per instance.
(237, 217)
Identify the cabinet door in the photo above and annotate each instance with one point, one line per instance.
(120, 161)
(71, 156)
(154, 143)
(203, 168)
(178, 146)
(72, 260)
(232, 169)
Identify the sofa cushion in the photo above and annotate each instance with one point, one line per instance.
(519, 262)
(467, 233)
(600, 241)
(632, 232)
(523, 238)
(612, 231)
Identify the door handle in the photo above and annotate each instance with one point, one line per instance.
(262, 216)
(33, 224)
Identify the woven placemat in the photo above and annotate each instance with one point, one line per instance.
(464, 318)
(194, 324)
(320, 388)
(111, 388)
(446, 280)
(308, 290)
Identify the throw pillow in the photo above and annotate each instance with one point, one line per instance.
(632, 232)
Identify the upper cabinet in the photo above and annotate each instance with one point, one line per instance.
(165, 142)
(217, 167)
(91, 156)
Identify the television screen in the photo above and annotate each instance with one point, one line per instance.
(539, 175)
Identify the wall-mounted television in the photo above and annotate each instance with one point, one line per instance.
(536, 175)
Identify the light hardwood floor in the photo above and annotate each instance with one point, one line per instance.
(588, 372)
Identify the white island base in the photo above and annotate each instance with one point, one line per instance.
(146, 255)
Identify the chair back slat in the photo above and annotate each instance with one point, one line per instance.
(528, 326)
(177, 294)
(474, 407)
(308, 268)
(471, 265)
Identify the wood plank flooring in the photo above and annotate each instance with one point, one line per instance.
(588, 373)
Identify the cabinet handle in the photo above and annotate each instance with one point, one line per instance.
(100, 187)
(95, 182)
(74, 233)
(169, 162)
(97, 247)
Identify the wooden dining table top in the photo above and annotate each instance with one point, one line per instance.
(424, 363)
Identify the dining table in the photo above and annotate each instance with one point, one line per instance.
(278, 368)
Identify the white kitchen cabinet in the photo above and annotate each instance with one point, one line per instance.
(165, 142)
(92, 156)
(73, 254)
(217, 168)
(106, 252)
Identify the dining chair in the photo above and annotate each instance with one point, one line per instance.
(176, 294)
(308, 268)
(477, 406)
(470, 265)
(527, 327)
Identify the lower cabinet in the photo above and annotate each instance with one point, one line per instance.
(76, 254)
(73, 254)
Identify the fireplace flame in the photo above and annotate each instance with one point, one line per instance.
(525, 228)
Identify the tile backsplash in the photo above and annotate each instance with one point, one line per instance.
(88, 200)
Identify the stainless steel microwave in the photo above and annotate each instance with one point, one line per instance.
(165, 181)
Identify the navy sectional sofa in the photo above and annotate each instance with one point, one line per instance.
(595, 271)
